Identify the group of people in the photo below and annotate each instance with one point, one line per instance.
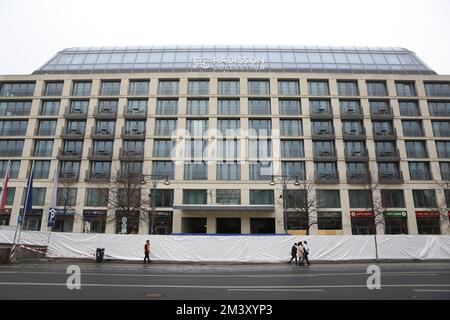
(300, 252)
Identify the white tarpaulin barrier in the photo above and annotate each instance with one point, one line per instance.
(269, 248)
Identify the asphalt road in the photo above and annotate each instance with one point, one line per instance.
(48, 280)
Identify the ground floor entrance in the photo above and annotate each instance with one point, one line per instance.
(228, 225)
(429, 225)
(193, 225)
(262, 225)
(162, 222)
(63, 223)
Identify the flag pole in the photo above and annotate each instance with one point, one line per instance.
(52, 205)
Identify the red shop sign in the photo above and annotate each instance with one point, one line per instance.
(360, 214)
(427, 214)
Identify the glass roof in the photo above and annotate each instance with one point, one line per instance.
(221, 58)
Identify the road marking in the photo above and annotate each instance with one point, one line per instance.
(279, 290)
(429, 290)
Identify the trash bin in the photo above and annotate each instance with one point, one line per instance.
(99, 254)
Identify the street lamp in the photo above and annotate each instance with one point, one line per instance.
(284, 180)
(154, 179)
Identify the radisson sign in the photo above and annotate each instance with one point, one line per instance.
(228, 63)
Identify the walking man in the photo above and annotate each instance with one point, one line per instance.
(147, 251)
(300, 253)
(306, 250)
(294, 254)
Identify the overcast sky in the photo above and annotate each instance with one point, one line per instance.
(32, 31)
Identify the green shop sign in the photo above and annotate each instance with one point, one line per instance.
(398, 214)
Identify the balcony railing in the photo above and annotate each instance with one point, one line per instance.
(102, 133)
(68, 176)
(321, 114)
(323, 134)
(331, 178)
(388, 155)
(135, 155)
(94, 154)
(358, 177)
(69, 154)
(97, 176)
(357, 155)
(382, 114)
(325, 155)
(75, 113)
(75, 133)
(391, 177)
(133, 134)
(105, 113)
(352, 115)
(135, 113)
(385, 134)
(354, 134)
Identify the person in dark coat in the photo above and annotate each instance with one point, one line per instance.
(294, 254)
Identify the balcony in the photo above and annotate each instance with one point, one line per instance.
(97, 176)
(325, 155)
(75, 114)
(358, 177)
(357, 155)
(321, 114)
(129, 176)
(68, 176)
(75, 133)
(105, 113)
(131, 155)
(388, 155)
(390, 178)
(133, 134)
(323, 134)
(135, 114)
(102, 134)
(69, 155)
(385, 134)
(99, 155)
(329, 178)
(382, 114)
(354, 134)
(351, 114)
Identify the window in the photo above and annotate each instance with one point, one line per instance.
(110, 88)
(133, 147)
(318, 87)
(326, 171)
(416, 149)
(439, 108)
(17, 89)
(441, 128)
(228, 127)
(193, 196)
(11, 148)
(196, 148)
(15, 166)
(355, 148)
(195, 171)
(168, 86)
(389, 169)
(359, 199)
(385, 148)
(138, 87)
(405, 89)
(163, 148)
(320, 107)
(107, 106)
(228, 107)
(228, 170)
(259, 87)
(288, 87)
(76, 127)
(259, 106)
(15, 108)
(197, 127)
(11, 192)
(293, 169)
(437, 89)
(409, 108)
(96, 197)
(38, 196)
(292, 149)
(198, 87)
(330, 220)
(443, 149)
(100, 169)
(260, 127)
(106, 127)
(424, 198)
(228, 149)
(412, 128)
(382, 128)
(291, 128)
(69, 169)
(260, 149)
(392, 198)
(102, 147)
(163, 168)
(357, 171)
(324, 148)
(66, 197)
(167, 106)
(261, 197)
(46, 127)
(350, 107)
(376, 88)
(135, 126)
(445, 170)
(14, 128)
(378, 107)
(53, 88)
(419, 171)
(198, 107)
(81, 88)
(74, 147)
(322, 127)
(50, 108)
(289, 107)
(164, 198)
(132, 169)
(261, 170)
(228, 87)
(79, 106)
(165, 127)
(348, 88)
(43, 148)
(328, 199)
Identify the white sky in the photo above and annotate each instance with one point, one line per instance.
(32, 31)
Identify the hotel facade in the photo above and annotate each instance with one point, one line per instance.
(223, 127)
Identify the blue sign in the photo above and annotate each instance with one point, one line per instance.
(51, 217)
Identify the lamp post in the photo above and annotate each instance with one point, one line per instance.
(284, 180)
(154, 179)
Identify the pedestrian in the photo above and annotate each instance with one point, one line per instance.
(294, 254)
(300, 253)
(306, 249)
(147, 251)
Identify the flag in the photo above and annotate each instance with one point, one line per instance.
(28, 205)
(4, 193)
(52, 208)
